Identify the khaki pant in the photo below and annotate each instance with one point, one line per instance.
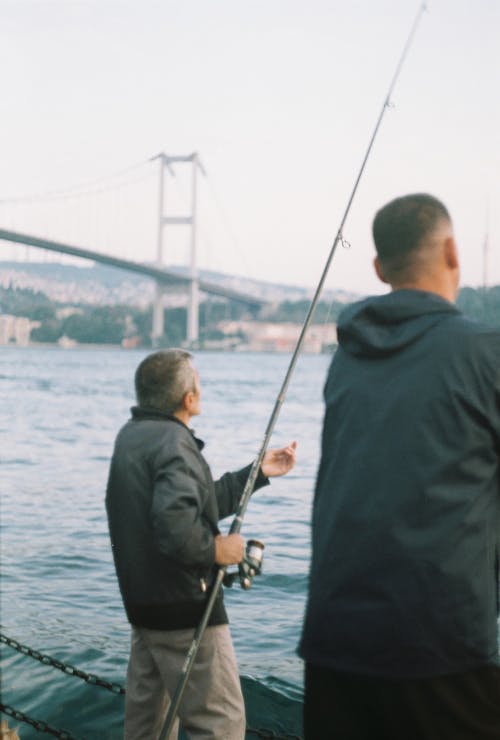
(212, 705)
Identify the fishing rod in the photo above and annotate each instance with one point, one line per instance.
(254, 471)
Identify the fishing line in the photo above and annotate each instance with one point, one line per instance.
(346, 245)
(234, 242)
(249, 486)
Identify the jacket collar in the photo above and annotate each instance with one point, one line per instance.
(140, 413)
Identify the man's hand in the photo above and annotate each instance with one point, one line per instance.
(229, 549)
(279, 462)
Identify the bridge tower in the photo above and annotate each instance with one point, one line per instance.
(166, 161)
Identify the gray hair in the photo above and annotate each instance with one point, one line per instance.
(163, 379)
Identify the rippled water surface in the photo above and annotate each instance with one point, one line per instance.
(60, 411)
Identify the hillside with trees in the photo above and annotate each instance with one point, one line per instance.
(112, 324)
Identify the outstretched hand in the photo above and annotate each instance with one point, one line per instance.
(279, 461)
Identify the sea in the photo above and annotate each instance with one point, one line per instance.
(60, 412)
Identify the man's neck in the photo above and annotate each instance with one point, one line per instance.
(442, 288)
(183, 416)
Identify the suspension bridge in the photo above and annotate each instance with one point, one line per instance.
(166, 278)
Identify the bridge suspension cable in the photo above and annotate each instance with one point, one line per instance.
(121, 218)
(80, 189)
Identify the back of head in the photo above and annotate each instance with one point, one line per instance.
(163, 378)
(402, 232)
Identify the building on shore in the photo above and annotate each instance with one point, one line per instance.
(279, 337)
(16, 330)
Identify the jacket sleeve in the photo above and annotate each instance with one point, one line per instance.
(179, 531)
(229, 487)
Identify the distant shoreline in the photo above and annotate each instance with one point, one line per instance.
(118, 347)
(79, 345)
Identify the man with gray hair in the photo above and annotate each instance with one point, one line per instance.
(163, 511)
(400, 635)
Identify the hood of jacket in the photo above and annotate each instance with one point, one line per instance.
(382, 325)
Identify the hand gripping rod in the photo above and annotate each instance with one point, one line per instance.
(249, 486)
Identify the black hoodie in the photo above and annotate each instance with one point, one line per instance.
(406, 516)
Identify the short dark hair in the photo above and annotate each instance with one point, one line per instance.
(163, 378)
(401, 227)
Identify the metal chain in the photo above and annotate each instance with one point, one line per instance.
(94, 680)
(271, 735)
(70, 670)
(42, 726)
(38, 724)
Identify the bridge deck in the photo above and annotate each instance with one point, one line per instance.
(162, 275)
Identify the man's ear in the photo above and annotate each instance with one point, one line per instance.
(184, 405)
(379, 271)
(450, 253)
(188, 400)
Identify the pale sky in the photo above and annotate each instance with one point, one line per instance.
(279, 97)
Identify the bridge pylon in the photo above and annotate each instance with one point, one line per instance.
(167, 161)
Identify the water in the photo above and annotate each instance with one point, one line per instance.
(61, 410)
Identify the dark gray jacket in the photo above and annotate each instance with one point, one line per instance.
(406, 516)
(163, 511)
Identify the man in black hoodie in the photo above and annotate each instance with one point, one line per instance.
(400, 634)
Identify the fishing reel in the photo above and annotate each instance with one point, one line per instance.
(250, 566)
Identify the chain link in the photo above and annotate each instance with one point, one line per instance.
(42, 726)
(38, 724)
(70, 670)
(270, 734)
(94, 680)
